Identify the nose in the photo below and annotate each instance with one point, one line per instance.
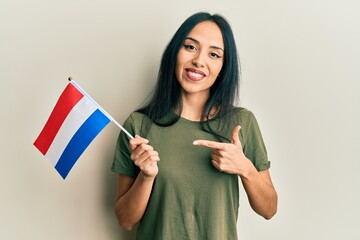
(198, 60)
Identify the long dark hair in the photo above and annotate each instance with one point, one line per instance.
(167, 93)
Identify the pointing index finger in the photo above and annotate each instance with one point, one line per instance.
(210, 144)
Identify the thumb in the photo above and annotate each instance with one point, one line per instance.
(235, 135)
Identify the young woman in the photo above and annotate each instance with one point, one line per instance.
(178, 178)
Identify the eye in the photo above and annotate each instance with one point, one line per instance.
(190, 47)
(214, 55)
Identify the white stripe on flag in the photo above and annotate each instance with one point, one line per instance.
(77, 116)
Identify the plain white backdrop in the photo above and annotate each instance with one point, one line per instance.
(300, 76)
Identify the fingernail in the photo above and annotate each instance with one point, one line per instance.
(195, 143)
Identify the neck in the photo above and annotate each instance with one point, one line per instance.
(193, 106)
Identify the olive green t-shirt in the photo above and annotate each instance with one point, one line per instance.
(190, 198)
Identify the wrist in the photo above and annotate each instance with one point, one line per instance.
(146, 178)
(248, 170)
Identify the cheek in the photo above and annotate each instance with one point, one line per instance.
(179, 66)
(178, 71)
(217, 70)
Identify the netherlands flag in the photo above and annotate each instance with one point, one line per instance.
(74, 122)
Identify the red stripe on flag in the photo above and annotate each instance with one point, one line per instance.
(67, 100)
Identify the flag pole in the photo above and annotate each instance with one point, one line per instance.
(111, 118)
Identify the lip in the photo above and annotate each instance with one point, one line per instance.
(194, 74)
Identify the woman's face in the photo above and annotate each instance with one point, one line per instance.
(200, 59)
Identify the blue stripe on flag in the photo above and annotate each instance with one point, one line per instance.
(79, 142)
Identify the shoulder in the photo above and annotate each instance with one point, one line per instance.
(247, 120)
(136, 123)
(136, 118)
(224, 125)
(242, 116)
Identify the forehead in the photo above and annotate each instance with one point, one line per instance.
(207, 32)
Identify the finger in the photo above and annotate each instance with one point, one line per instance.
(235, 135)
(216, 165)
(210, 144)
(137, 141)
(149, 156)
(218, 154)
(215, 157)
(149, 168)
(153, 158)
(139, 150)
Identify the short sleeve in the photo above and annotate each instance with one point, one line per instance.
(122, 163)
(253, 143)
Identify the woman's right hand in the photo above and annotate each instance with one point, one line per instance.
(144, 157)
(134, 194)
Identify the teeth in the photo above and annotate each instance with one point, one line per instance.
(196, 75)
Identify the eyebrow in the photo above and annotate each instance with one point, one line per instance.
(194, 40)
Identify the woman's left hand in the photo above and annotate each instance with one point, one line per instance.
(228, 157)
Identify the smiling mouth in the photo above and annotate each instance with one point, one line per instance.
(195, 75)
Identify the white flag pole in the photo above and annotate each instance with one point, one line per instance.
(122, 128)
(100, 108)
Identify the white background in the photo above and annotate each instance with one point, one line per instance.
(300, 76)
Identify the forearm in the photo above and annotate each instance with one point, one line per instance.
(261, 193)
(131, 206)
